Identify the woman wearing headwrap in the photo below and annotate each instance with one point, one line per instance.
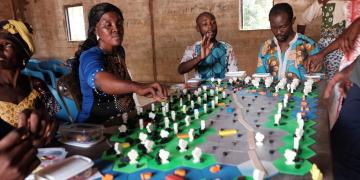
(19, 93)
(105, 83)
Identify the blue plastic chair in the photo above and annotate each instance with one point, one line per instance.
(50, 78)
(63, 114)
(56, 66)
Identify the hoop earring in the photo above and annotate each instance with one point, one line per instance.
(97, 37)
(24, 62)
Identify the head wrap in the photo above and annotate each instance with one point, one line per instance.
(20, 34)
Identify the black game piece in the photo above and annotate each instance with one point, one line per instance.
(271, 141)
(272, 151)
(235, 114)
(218, 115)
(271, 132)
(247, 110)
(214, 148)
(262, 108)
(187, 157)
(258, 125)
(242, 97)
(258, 113)
(256, 96)
(239, 135)
(249, 105)
(234, 143)
(234, 121)
(225, 153)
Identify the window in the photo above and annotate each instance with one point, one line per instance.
(254, 14)
(75, 23)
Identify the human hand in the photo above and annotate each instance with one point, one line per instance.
(342, 77)
(38, 123)
(17, 156)
(314, 63)
(152, 90)
(348, 37)
(206, 46)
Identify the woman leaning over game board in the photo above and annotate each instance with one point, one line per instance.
(105, 83)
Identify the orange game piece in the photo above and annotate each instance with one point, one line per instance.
(180, 172)
(182, 136)
(173, 177)
(107, 177)
(215, 169)
(262, 93)
(146, 176)
(221, 104)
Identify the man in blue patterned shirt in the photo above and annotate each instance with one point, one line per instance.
(283, 55)
(209, 57)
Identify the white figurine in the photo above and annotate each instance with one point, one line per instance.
(219, 81)
(175, 128)
(122, 129)
(259, 139)
(223, 94)
(247, 79)
(141, 123)
(199, 90)
(148, 127)
(296, 143)
(213, 104)
(133, 155)
(152, 107)
(163, 110)
(205, 108)
(152, 115)
(188, 97)
(164, 133)
(142, 137)
(149, 144)
(205, 97)
(164, 156)
(216, 99)
(184, 91)
(167, 122)
(196, 113)
(202, 125)
(277, 118)
(258, 175)
(173, 115)
(199, 100)
(182, 145)
(288, 87)
(299, 132)
(117, 148)
(285, 100)
(184, 109)
(290, 157)
(192, 104)
(181, 101)
(280, 106)
(231, 81)
(196, 153)
(139, 110)
(212, 92)
(191, 135)
(255, 83)
(187, 120)
(300, 121)
(204, 88)
(125, 117)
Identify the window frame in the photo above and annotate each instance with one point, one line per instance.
(241, 21)
(67, 22)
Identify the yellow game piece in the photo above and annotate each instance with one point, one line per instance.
(180, 172)
(316, 173)
(227, 132)
(125, 145)
(221, 104)
(182, 136)
(146, 176)
(107, 177)
(215, 169)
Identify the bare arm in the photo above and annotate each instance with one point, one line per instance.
(109, 84)
(206, 46)
(188, 65)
